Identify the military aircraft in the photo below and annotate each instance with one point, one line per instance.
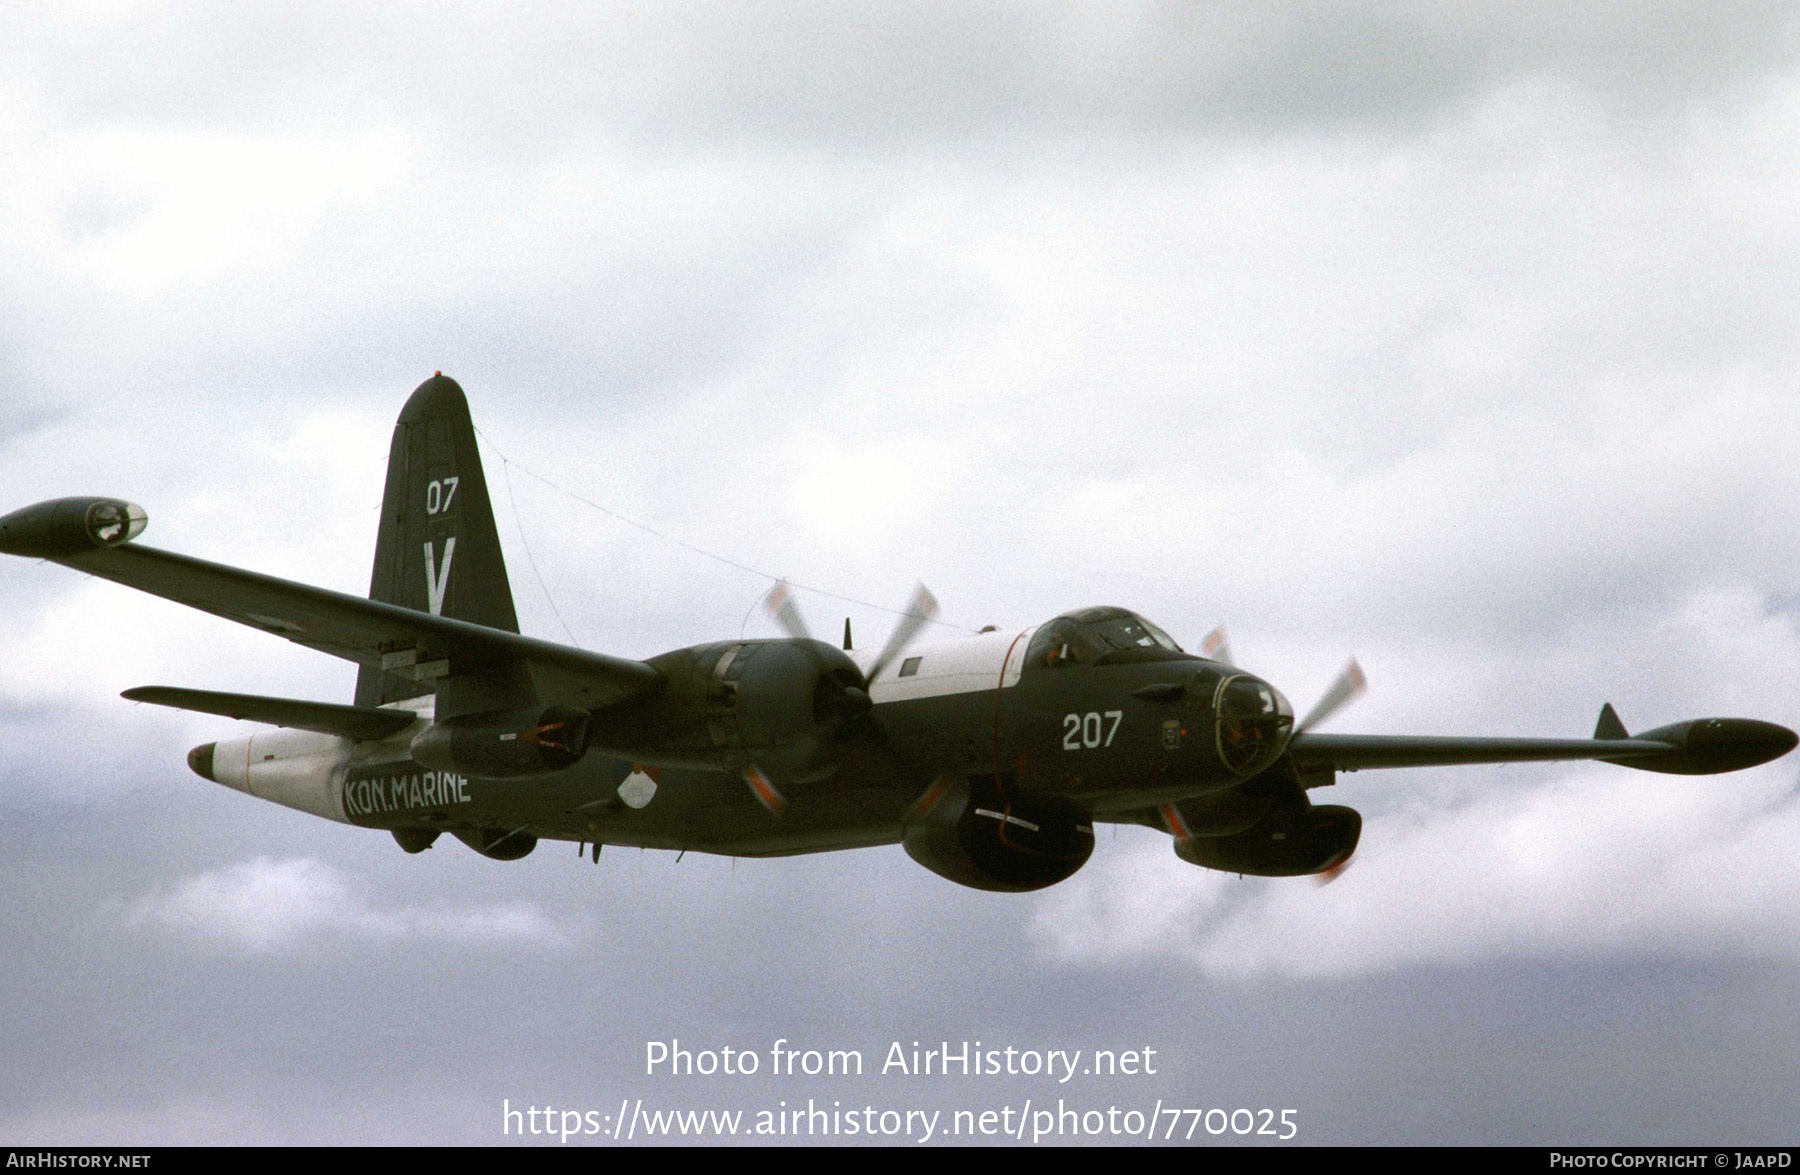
(989, 757)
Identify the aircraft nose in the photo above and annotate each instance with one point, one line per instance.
(200, 760)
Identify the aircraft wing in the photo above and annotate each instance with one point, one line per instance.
(398, 640)
(1356, 752)
(1703, 746)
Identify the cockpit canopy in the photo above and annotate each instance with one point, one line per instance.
(1101, 636)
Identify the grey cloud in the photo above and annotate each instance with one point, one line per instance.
(268, 906)
(1665, 868)
(871, 80)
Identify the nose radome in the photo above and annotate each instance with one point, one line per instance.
(200, 761)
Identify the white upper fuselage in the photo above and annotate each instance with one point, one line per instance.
(958, 665)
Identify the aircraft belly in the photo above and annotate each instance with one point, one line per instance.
(684, 809)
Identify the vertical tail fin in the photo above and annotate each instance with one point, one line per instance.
(437, 550)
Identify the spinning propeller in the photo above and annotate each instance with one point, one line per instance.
(1349, 684)
(1346, 687)
(921, 611)
(840, 696)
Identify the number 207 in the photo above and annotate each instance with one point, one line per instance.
(1090, 730)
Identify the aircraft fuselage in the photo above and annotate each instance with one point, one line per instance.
(1113, 738)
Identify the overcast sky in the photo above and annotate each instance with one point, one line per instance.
(1465, 339)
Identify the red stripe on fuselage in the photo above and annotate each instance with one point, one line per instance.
(1000, 693)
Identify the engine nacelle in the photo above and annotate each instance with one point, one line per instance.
(70, 526)
(505, 744)
(971, 833)
(784, 702)
(1224, 813)
(1290, 841)
(415, 840)
(497, 843)
(782, 706)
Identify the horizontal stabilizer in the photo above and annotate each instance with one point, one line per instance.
(362, 723)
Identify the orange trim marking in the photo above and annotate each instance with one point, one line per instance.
(764, 791)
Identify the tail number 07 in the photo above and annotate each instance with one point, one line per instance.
(1090, 730)
(439, 493)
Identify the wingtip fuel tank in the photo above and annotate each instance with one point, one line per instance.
(63, 527)
(1713, 746)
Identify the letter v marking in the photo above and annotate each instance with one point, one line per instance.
(437, 581)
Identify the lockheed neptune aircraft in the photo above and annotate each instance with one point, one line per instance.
(989, 757)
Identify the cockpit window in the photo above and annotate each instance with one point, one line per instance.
(1058, 643)
(1162, 638)
(1129, 632)
(1088, 636)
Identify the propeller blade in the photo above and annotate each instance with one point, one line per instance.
(922, 611)
(1348, 685)
(781, 606)
(1214, 648)
(764, 791)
